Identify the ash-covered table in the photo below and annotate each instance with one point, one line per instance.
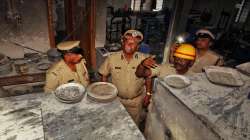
(205, 110)
(41, 116)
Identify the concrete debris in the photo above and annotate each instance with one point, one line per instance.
(226, 108)
(223, 76)
(154, 129)
(181, 122)
(177, 81)
(244, 68)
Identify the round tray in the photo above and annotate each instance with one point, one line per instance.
(6, 68)
(3, 59)
(177, 81)
(43, 66)
(102, 92)
(70, 93)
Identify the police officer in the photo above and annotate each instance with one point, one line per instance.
(205, 57)
(122, 66)
(70, 69)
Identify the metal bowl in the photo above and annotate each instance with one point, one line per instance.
(5, 65)
(21, 66)
(70, 93)
(43, 66)
(102, 92)
(54, 55)
(177, 81)
(3, 59)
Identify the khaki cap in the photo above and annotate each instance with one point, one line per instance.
(134, 34)
(205, 31)
(67, 45)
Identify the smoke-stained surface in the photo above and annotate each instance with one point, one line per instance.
(23, 23)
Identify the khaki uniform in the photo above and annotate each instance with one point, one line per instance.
(208, 59)
(60, 74)
(130, 88)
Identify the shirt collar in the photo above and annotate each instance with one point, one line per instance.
(135, 55)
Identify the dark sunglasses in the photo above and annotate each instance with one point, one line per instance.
(203, 35)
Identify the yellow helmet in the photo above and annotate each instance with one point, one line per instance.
(185, 51)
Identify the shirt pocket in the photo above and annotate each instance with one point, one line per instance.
(132, 71)
(116, 71)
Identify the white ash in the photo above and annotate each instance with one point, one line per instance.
(223, 76)
(69, 93)
(244, 68)
(177, 81)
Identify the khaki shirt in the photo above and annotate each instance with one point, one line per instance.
(208, 59)
(60, 74)
(123, 74)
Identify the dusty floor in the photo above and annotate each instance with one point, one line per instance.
(32, 32)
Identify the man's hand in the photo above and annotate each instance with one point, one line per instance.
(174, 47)
(146, 101)
(171, 52)
(149, 63)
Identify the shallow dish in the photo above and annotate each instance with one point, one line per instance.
(70, 92)
(102, 92)
(43, 66)
(177, 81)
